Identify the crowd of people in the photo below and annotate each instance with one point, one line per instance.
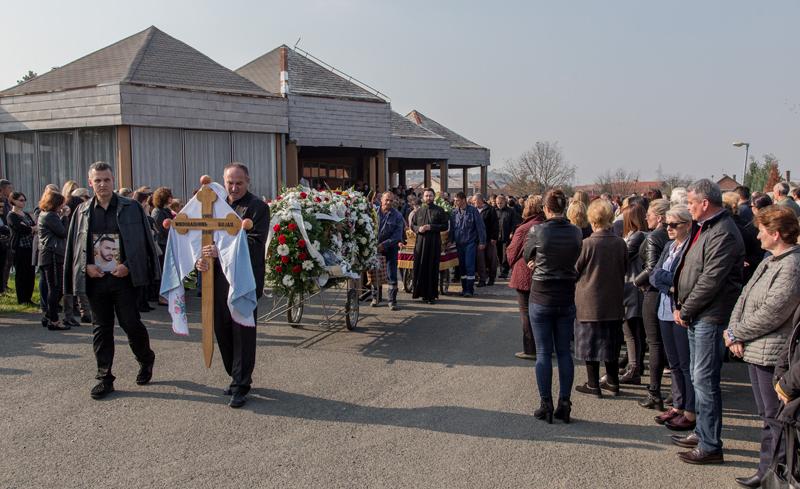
(693, 279)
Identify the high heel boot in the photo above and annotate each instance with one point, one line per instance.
(563, 410)
(545, 411)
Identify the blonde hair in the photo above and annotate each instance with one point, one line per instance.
(68, 188)
(533, 206)
(730, 201)
(600, 214)
(659, 207)
(581, 196)
(576, 213)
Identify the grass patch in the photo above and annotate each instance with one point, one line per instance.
(8, 301)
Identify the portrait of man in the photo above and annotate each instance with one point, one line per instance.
(106, 252)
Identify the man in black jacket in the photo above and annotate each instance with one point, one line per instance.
(111, 217)
(706, 285)
(237, 343)
(487, 258)
(507, 222)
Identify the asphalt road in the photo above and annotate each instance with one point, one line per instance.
(423, 397)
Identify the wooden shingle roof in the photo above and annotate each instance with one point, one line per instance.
(456, 140)
(151, 58)
(306, 77)
(404, 128)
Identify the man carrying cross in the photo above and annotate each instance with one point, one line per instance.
(237, 343)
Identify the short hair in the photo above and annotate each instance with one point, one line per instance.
(100, 166)
(659, 207)
(240, 166)
(795, 192)
(576, 213)
(51, 201)
(708, 190)
(106, 238)
(142, 194)
(634, 218)
(762, 201)
(600, 214)
(781, 188)
(678, 196)
(479, 196)
(680, 212)
(730, 201)
(161, 197)
(656, 194)
(124, 191)
(533, 207)
(81, 192)
(555, 201)
(17, 195)
(429, 189)
(781, 219)
(389, 193)
(4, 183)
(461, 195)
(743, 192)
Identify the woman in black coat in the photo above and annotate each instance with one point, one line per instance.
(23, 232)
(52, 248)
(634, 227)
(162, 197)
(650, 252)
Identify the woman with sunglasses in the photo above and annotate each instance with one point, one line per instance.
(23, 232)
(681, 417)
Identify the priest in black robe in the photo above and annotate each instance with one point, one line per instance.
(428, 221)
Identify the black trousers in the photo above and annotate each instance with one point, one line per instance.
(768, 406)
(110, 297)
(53, 276)
(652, 330)
(237, 343)
(633, 330)
(3, 257)
(502, 259)
(528, 343)
(25, 273)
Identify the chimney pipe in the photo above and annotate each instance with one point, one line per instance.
(734, 178)
(284, 71)
(788, 176)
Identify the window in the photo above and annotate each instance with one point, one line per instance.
(20, 164)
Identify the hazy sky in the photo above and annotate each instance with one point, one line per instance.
(631, 83)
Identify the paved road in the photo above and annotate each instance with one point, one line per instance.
(424, 397)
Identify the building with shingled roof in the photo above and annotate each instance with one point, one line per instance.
(339, 129)
(158, 110)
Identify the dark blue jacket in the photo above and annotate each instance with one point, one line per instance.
(467, 226)
(390, 228)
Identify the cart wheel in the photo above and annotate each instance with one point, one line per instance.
(408, 281)
(444, 282)
(351, 310)
(295, 311)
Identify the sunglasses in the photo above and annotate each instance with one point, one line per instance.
(673, 225)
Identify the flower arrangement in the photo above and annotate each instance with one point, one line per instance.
(446, 206)
(341, 225)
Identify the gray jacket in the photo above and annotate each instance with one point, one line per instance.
(762, 317)
(709, 275)
(141, 256)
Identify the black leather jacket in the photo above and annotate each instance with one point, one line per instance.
(555, 246)
(650, 251)
(141, 257)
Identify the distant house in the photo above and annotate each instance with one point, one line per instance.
(627, 188)
(727, 184)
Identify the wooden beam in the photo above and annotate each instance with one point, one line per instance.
(443, 177)
(292, 177)
(464, 179)
(484, 179)
(373, 173)
(124, 163)
(427, 178)
(402, 176)
(383, 177)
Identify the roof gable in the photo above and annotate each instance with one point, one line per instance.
(456, 140)
(306, 77)
(150, 57)
(402, 127)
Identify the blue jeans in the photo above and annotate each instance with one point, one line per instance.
(706, 349)
(391, 264)
(467, 254)
(676, 345)
(553, 325)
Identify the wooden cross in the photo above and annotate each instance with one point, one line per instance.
(207, 223)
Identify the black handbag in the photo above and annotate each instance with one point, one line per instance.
(782, 474)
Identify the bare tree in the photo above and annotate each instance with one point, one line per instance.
(539, 169)
(617, 182)
(670, 181)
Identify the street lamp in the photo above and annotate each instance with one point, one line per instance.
(739, 144)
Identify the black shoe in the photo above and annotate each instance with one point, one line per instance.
(145, 374)
(545, 411)
(490, 283)
(563, 410)
(86, 319)
(652, 402)
(238, 400)
(227, 392)
(57, 326)
(689, 441)
(72, 324)
(592, 391)
(481, 284)
(45, 322)
(612, 388)
(101, 390)
(753, 481)
(631, 377)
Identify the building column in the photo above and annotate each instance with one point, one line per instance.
(465, 180)
(484, 179)
(292, 177)
(427, 178)
(124, 166)
(401, 175)
(443, 177)
(382, 171)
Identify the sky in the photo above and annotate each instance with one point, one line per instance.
(630, 83)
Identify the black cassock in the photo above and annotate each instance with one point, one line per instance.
(427, 249)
